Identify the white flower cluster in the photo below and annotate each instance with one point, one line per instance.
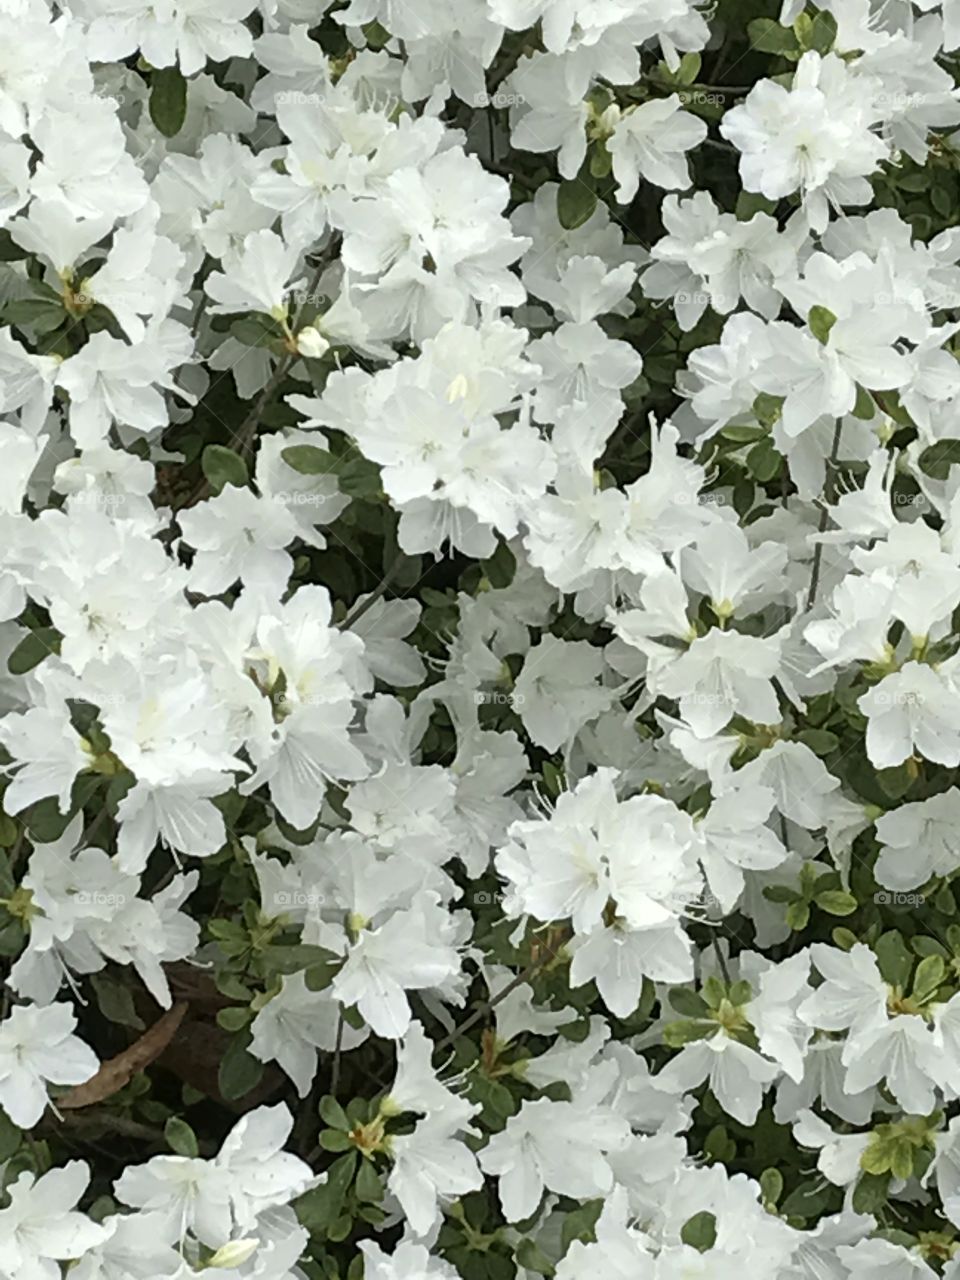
(480, 637)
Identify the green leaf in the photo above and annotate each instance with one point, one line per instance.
(764, 462)
(689, 68)
(767, 35)
(360, 478)
(32, 650)
(821, 321)
(10, 1137)
(836, 902)
(115, 1001)
(677, 1034)
(580, 1224)
(780, 893)
(771, 1185)
(501, 566)
(235, 1018)
(38, 313)
(181, 1138)
(320, 1208)
(254, 330)
(687, 1002)
(744, 434)
(168, 100)
(870, 1193)
(894, 959)
(335, 1140)
(820, 741)
(309, 460)
(930, 974)
(937, 460)
(740, 993)
(575, 203)
(531, 1257)
(239, 1071)
(222, 466)
(895, 782)
(798, 915)
(333, 1114)
(369, 1186)
(864, 407)
(823, 33)
(700, 1231)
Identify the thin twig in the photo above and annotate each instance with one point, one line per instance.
(359, 610)
(335, 1073)
(485, 1006)
(824, 516)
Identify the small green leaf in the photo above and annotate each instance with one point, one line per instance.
(677, 1034)
(235, 1018)
(780, 893)
(767, 35)
(222, 466)
(700, 1231)
(500, 567)
(32, 650)
(168, 100)
(686, 1002)
(870, 1193)
(575, 203)
(580, 1224)
(798, 915)
(764, 462)
(894, 959)
(309, 460)
(239, 1071)
(930, 974)
(823, 33)
(335, 1140)
(771, 1185)
(115, 1001)
(369, 1186)
(821, 321)
(836, 902)
(820, 741)
(181, 1138)
(333, 1114)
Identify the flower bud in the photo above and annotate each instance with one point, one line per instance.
(311, 343)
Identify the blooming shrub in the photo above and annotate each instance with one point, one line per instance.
(480, 576)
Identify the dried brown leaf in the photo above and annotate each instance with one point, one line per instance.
(118, 1071)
